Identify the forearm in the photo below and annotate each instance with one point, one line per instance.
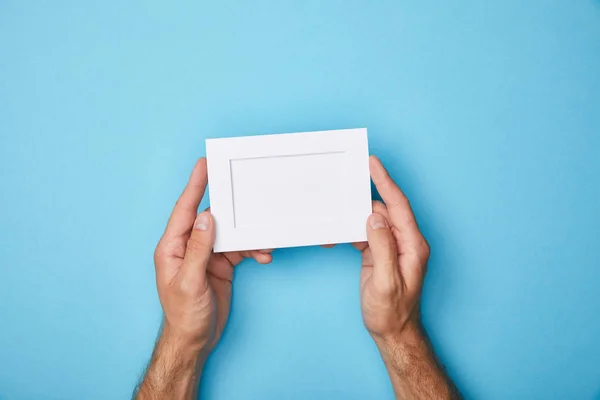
(413, 367)
(174, 370)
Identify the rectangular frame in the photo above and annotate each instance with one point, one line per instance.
(345, 192)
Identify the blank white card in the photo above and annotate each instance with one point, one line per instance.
(294, 189)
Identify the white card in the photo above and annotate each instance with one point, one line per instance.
(294, 189)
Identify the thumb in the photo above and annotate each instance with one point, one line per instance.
(199, 248)
(383, 252)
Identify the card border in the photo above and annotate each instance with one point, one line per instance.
(221, 152)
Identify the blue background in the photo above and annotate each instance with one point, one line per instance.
(486, 112)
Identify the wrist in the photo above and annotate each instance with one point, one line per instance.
(412, 366)
(189, 351)
(175, 369)
(401, 346)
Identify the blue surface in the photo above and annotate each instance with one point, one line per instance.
(487, 114)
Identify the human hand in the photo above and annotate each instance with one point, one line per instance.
(194, 286)
(194, 283)
(394, 261)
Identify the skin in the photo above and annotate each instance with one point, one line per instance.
(394, 265)
(194, 286)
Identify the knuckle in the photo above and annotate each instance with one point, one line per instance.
(179, 204)
(187, 288)
(387, 287)
(386, 264)
(159, 253)
(384, 248)
(401, 202)
(195, 244)
(169, 248)
(382, 240)
(425, 249)
(183, 205)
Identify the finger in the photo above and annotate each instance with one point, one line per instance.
(236, 257)
(183, 215)
(413, 262)
(360, 246)
(199, 249)
(266, 251)
(171, 247)
(384, 254)
(260, 257)
(367, 258)
(398, 207)
(379, 208)
(328, 246)
(220, 267)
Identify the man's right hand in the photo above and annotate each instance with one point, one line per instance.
(394, 263)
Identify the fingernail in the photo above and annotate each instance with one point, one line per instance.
(202, 221)
(377, 221)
